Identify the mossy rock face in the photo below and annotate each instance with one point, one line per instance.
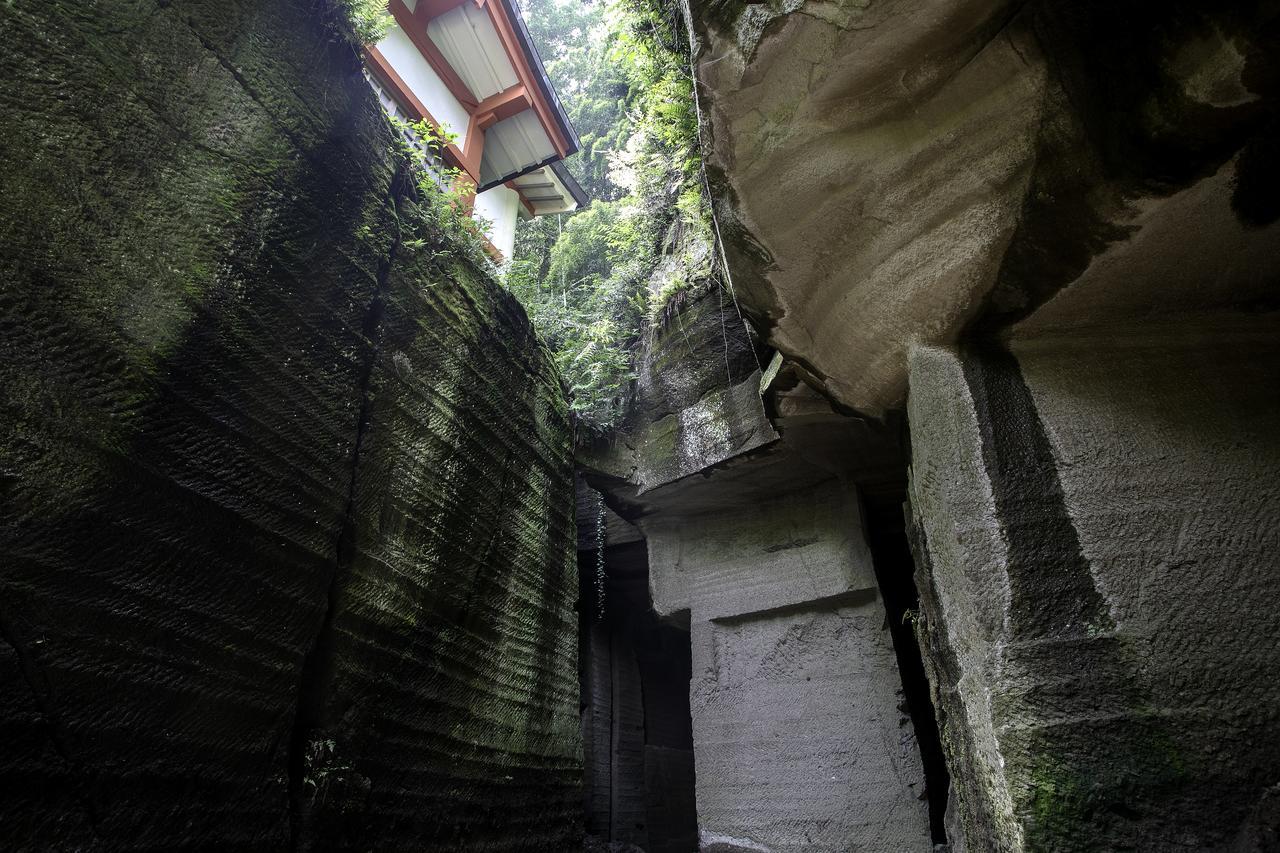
(703, 346)
(286, 543)
(697, 396)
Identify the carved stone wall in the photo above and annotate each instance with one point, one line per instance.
(800, 732)
(285, 479)
(1097, 533)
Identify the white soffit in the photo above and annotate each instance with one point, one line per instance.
(471, 45)
(421, 79)
(514, 144)
(545, 192)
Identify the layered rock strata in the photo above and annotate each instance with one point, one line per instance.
(897, 171)
(286, 478)
(1096, 520)
(750, 511)
(1050, 233)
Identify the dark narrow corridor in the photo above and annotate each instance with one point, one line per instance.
(637, 740)
(891, 554)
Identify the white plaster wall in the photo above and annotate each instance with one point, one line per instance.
(501, 207)
(423, 81)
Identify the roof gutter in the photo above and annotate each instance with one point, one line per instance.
(555, 164)
(570, 183)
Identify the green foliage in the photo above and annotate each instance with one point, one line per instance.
(443, 193)
(369, 19)
(573, 37)
(667, 299)
(578, 297)
(588, 279)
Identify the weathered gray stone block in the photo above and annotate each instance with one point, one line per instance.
(1098, 531)
(792, 550)
(900, 170)
(799, 741)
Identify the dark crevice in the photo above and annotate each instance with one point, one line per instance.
(639, 783)
(614, 781)
(317, 666)
(895, 573)
(1118, 125)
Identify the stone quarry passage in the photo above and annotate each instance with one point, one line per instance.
(646, 426)
(637, 740)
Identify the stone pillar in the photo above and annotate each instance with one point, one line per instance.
(798, 737)
(1098, 549)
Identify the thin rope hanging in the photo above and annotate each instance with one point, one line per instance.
(601, 533)
(711, 211)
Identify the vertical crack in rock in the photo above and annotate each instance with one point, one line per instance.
(892, 562)
(317, 666)
(477, 581)
(977, 816)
